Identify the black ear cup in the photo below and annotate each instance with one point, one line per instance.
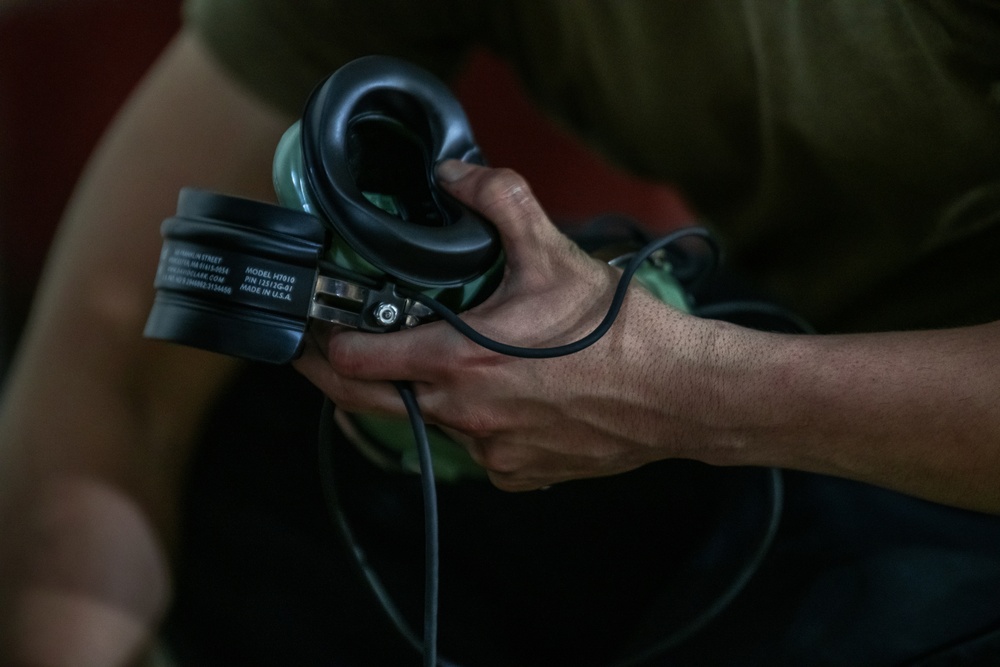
(371, 136)
(236, 276)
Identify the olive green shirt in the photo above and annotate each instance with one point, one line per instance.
(847, 151)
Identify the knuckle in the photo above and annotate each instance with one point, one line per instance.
(341, 358)
(475, 453)
(503, 482)
(452, 368)
(500, 459)
(510, 483)
(476, 423)
(502, 188)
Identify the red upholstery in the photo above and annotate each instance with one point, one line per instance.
(65, 67)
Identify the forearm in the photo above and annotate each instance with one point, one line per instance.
(87, 393)
(96, 423)
(916, 411)
(87, 507)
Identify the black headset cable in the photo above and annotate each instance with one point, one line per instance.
(428, 646)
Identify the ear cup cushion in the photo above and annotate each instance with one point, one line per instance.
(461, 245)
(202, 205)
(236, 276)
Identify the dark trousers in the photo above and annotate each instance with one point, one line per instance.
(583, 574)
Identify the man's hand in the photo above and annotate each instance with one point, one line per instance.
(912, 411)
(530, 423)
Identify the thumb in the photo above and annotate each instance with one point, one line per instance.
(504, 198)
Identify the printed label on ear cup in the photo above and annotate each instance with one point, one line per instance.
(235, 277)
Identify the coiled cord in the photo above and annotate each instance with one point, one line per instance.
(428, 645)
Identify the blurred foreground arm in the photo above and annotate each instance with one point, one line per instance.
(97, 423)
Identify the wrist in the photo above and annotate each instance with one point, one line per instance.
(719, 393)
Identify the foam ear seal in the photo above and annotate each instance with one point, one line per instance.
(236, 276)
(357, 127)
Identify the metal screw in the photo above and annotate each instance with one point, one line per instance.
(386, 313)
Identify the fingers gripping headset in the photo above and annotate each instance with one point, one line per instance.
(365, 239)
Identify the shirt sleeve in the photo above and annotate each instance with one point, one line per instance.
(281, 50)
